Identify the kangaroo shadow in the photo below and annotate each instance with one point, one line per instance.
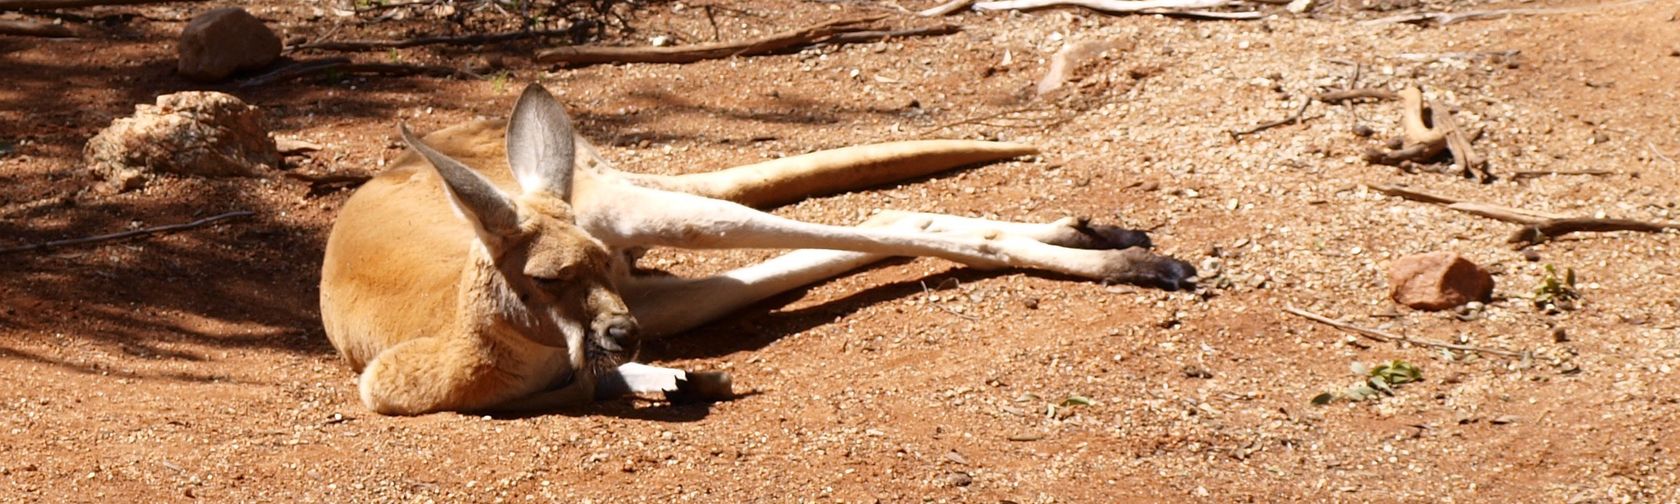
(757, 326)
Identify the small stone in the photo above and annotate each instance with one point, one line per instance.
(1559, 335)
(1531, 255)
(1031, 303)
(218, 43)
(1438, 281)
(959, 479)
(1599, 137)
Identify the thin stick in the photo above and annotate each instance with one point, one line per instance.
(1293, 119)
(1447, 18)
(342, 65)
(1541, 173)
(1538, 227)
(1174, 7)
(1541, 231)
(127, 234)
(372, 45)
(872, 36)
(589, 55)
(71, 4)
(1489, 210)
(27, 28)
(945, 8)
(1386, 337)
(1356, 94)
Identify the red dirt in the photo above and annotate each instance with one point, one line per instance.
(193, 366)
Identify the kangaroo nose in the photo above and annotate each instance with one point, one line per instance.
(619, 334)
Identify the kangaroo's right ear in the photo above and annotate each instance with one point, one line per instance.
(477, 200)
(540, 145)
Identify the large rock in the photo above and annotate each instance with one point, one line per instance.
(201, 133)
(223, 41)
(1437, 281)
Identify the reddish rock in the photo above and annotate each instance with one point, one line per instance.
(1437, 281)
(218, 43)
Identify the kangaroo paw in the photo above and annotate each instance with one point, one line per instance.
(1106, 237)
(1141, 267)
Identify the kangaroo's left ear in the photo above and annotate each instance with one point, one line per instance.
(492, 214)
(540, 144)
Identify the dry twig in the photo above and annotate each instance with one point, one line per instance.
(71, 4)
(345, 66)
(1190, 8)
(589, 55)
(1343, 95)
(126, 234)
(1292, 119)
(1387, 337)
(27, 28)
(1541, 173)
(855, 37)
(1447, 18)
(374, 45)
(1473, 164)
(1538, 227)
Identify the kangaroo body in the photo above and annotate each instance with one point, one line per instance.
(452, 282)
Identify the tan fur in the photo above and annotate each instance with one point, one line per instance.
(441, 311)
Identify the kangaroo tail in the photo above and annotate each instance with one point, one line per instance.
(790, 179)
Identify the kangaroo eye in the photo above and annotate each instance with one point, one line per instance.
(558, 278)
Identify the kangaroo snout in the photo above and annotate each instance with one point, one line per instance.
(617, 334)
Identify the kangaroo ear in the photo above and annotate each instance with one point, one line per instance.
(540, 145)
(477, 200)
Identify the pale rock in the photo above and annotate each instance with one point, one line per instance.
(201, 133)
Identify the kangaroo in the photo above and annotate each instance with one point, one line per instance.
(451, 284)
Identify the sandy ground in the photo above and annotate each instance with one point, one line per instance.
(193, 365)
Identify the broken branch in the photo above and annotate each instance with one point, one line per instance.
(589, 55)
(1539, 232)
(1293, 119)
(1447, 18)
(26, 28)
(1473, 164)
(127, 234)
(1356, 94)
(1386, 337)
(371, 45)
(70, 4)
(1537, 226)
(345, 66)
(855, 37)
(1541, 173)
(1168, 7)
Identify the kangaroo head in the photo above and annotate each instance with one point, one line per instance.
(542, 276)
